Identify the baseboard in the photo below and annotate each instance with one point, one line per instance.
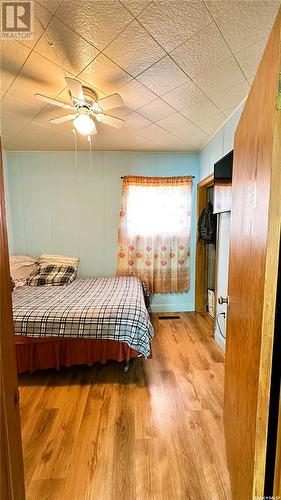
(220, 340)
(171, 308)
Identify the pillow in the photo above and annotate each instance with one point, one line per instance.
(21, 268)
(53, 275)
(58, 260)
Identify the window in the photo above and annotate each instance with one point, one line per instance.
(154, 232)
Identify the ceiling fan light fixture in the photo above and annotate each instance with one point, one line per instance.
(84, 124)
(99, 117)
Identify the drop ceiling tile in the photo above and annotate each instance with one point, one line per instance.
(210, 125)
(11, 125)
(13, 55)
(229, 111)
(251, 80)
(105, 75)
(156, 110)
(184, 96)
(201, 110)
(70, 50)
(37, 75)
(99, 22)
(173, 22)
(219, 7)
(173, 122)
(50, 5)
(135, 6)
(192, 134)
(164, 76)
(51, 112)
(121, 112)
(169, 142)
(134, 49)
(231, 97)
(220, 77)
(204, 50)
(135, 95)
(247, 22)
(134, 121)
(20, 109)
(152, 132)
(41, 17)
(250, 57)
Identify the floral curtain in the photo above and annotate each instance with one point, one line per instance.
(154, 232)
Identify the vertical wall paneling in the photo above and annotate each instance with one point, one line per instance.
(56, 206)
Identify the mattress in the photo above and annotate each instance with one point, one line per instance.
(88, 308)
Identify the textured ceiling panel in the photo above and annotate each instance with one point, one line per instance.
(156, 110)
(134, 40)
(250, 57)
(231, 98)
(181, 67)
(135, 95)
(105, 75)
(135, 6)
(173, 22)
(253, 20)
(183, 96)
(173, 122)
(212, 123)
(99, 22)
(201, 110)
(71, 51)
(13, 56)
(164, 76)
(202, 51)
(37, 75)
(220, 77)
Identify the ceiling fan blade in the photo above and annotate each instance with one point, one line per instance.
(53, 101)
(111, 101)
(112, 121)
(62, 119)
(75, 88)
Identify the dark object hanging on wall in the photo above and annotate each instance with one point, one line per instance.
(207, 225)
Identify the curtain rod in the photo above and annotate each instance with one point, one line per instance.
(193, 177)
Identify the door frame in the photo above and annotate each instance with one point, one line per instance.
(201, 250)
(11, 470)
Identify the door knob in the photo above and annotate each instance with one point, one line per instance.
(223, 300)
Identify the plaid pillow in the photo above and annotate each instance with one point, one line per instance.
(53, 275)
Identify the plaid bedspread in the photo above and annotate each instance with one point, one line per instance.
(90, 308)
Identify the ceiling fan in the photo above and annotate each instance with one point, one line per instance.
(86, 107)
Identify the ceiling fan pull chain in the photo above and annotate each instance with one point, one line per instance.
(75, 147)
(91, 159)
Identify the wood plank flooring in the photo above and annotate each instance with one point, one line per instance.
(155, 433)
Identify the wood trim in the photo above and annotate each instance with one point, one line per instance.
(207, 181)
(277, 476)
(253, 270)
(271, 274)
(201, 250)
(12, 475)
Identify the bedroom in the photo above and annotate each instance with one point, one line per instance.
(115, 118)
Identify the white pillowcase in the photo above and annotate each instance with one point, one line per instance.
(21, 268)
(58, 260)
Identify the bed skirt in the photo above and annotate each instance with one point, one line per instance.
(39, 354)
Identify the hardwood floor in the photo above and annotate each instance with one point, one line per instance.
(155, 433)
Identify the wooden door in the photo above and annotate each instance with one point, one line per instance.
(254, 251)
(11, 470)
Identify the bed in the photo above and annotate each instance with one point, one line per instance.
(89, 320)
